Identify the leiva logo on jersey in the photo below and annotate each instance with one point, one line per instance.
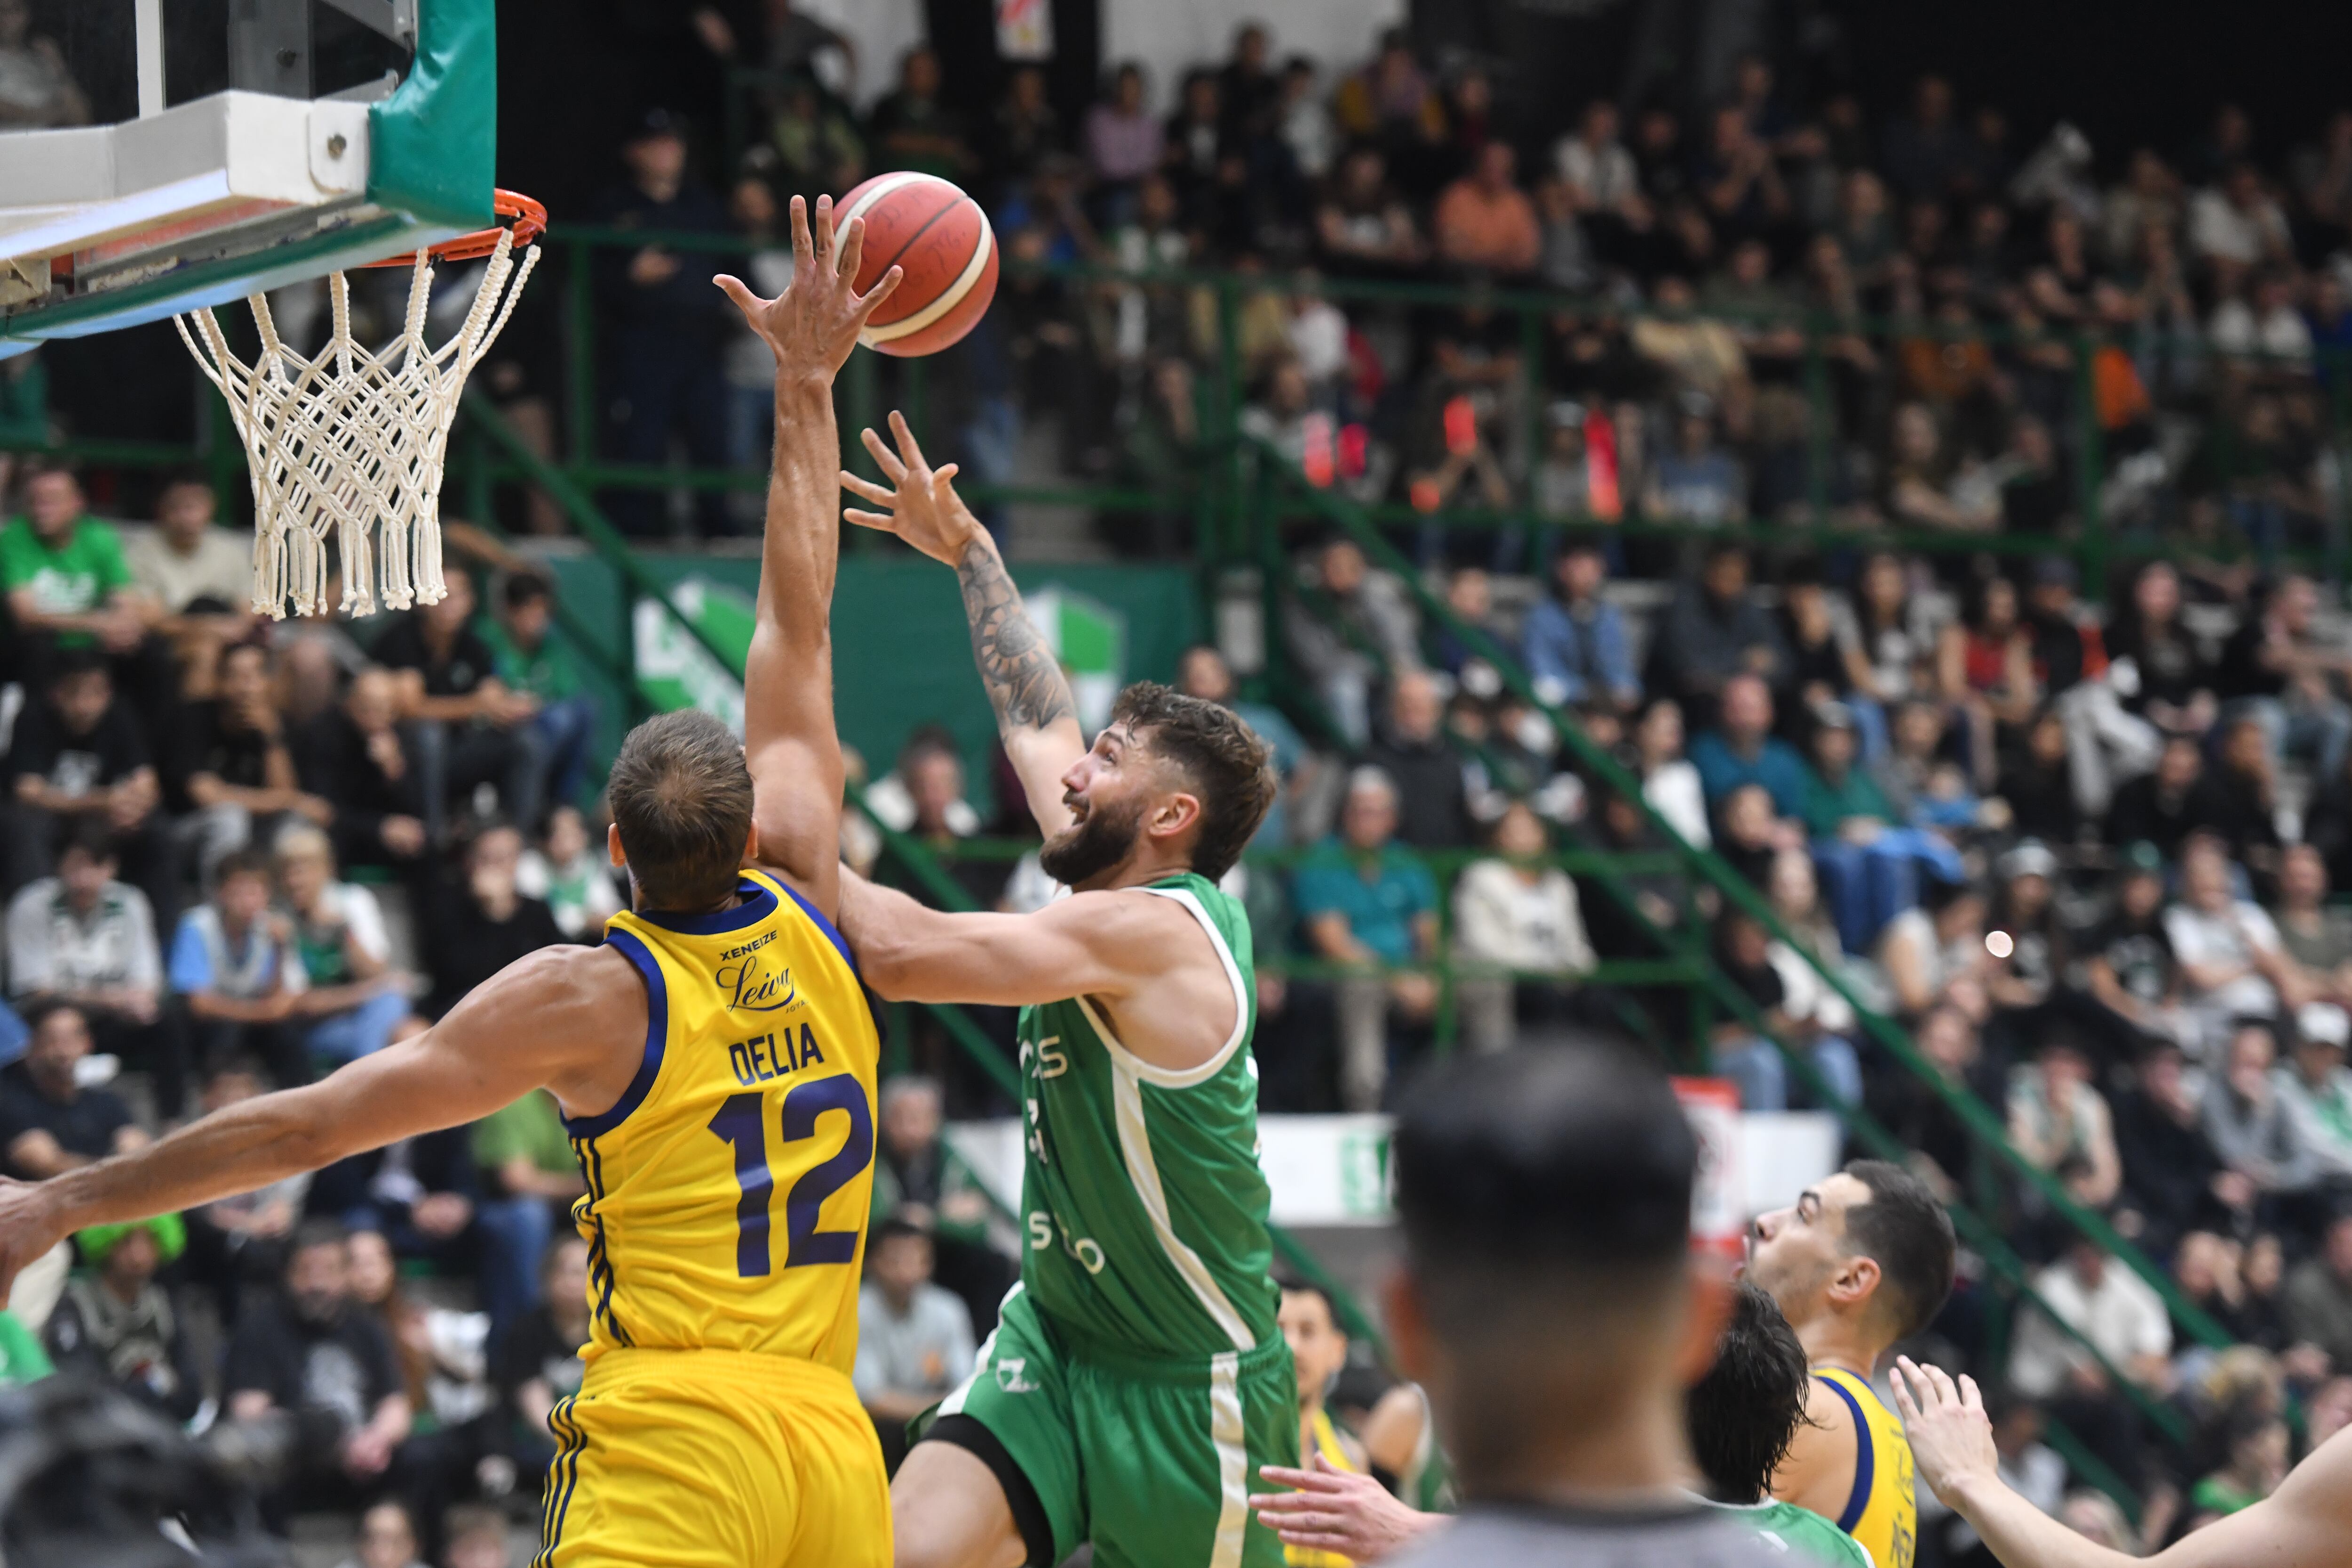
(750, 986)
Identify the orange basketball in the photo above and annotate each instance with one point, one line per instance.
(941, 240)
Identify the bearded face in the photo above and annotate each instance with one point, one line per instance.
(1100, 839)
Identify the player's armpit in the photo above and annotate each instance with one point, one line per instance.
(1083, 945)
(1818, 1470)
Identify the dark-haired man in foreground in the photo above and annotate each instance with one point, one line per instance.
(1551, 1305)
(1137, 1377)
(1859, 1261)
(715, 1060)
(1741, 1417)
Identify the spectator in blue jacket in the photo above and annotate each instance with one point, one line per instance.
(1575, 646)
(1742, 750)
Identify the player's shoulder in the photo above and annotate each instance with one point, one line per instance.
(568, 974)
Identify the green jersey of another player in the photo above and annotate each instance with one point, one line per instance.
(1805, 1536)
(1137, 1379)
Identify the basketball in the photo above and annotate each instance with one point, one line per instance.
(941, 238)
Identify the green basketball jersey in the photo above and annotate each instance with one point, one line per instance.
(1143, 1209)
(1799, 1533)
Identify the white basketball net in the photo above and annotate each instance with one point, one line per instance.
(352, 441)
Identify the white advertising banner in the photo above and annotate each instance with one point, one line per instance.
(1334, 1170)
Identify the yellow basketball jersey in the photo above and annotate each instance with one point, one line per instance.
(728, 1189)
(1883, 1510)
(1335, 1453)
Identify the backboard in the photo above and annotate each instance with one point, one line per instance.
(207, 201)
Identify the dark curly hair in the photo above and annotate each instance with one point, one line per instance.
(1745, 1412)
(1230, 769)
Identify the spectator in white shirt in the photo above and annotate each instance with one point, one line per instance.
(85, 938)
(2119, 1313)
(1513, 915)
(2268, 328)
(201, 576)
(914, 1338)
(2236, 222)
(2227, 946)
(1598, 170)
(1669, 780)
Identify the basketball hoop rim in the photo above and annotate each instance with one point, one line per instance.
(529, 217)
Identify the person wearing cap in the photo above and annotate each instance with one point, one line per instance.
(662, 323)
(2024, 910)
(2126, 978)
(116, 1322)
(2315, 1088)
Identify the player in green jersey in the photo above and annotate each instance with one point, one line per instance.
(1741, 1417)
(1137, 1379)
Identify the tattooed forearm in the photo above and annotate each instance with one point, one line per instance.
(1023, 677)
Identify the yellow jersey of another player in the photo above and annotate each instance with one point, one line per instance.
(728, 1189)
(1883, 1510)
(1335, 1453)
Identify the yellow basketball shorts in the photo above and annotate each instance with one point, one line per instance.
(713, 1459)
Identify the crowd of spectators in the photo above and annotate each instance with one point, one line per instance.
(1775, 310)
(2078, 839)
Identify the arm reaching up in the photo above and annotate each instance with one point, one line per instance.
(789, 740)
(2304, 1524)
(1034, 712)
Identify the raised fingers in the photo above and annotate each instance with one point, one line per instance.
(821, 227)
(803, 248)
(888, 458)
(1970, 1394)
(881, 495)
(853, 249)
(905, 435)
(873, 519)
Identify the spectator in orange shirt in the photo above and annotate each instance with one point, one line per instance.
(1485, 220)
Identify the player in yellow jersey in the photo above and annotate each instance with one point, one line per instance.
(715, 1061)
(1319, 1348)
(1858, 1262)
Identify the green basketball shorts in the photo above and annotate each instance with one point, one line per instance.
(1150, 1460)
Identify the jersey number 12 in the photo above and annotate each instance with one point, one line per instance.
(742, 1122)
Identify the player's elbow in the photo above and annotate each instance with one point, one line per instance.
(887, 962)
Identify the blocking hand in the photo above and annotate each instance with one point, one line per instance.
(812, 326)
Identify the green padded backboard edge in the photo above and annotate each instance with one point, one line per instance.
(432, 145)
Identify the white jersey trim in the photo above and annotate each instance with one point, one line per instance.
(1143, 1174)
(1230, 1436)
(953, 1403)
(1182, 1077)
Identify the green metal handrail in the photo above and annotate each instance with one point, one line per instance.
(1974, 1115)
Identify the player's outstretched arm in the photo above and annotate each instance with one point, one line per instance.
(1034, 712)
(1085, 945)
(2304, 1524)
(789, 739)
(560, 1018)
